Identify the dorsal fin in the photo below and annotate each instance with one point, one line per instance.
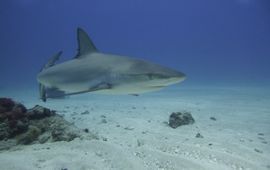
(85, 45)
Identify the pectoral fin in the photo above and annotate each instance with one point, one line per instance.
(52, 93)
(42, 92)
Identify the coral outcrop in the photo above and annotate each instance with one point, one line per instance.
(19, 125)
(180, 118)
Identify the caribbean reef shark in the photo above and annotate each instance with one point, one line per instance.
(94, 71)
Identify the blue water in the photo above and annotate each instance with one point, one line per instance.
(213, 42)
(223, 46)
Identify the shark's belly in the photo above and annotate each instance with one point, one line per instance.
(126, 89)
(73, 88)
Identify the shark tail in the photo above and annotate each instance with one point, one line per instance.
(43, 91)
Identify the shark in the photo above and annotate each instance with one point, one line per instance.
(93, 71)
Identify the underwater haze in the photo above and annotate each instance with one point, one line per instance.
(213, 42)
(218, 118)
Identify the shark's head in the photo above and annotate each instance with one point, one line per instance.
(148, 76)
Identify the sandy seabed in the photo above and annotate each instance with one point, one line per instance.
(134, 134)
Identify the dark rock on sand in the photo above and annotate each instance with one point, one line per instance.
(257, 150)
(39, 112)
(13, 120)
(6, 104)
(30, 136)
(65, 132)
(198, 135)
(103, 121)
(180, 118)
(36, 125)
(213, 118)
(4, 131)
(85, 112)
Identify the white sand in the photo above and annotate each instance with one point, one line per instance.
(138, 138)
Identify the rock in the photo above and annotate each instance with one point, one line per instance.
(4, 131)
(180, 118)
(85, 112)
(19, 108)
(30, 136)
(55, 129)
(103, 121)
(63, 131)
(257, 150)
(39, 112)
(3, 116)
(261, 138)
(129, 128)
(21, 127)
(36, 125)
(2, 109)
(12, 118)
(7, 144)
(6, 104)
(140, 142)
(213, 118)
(86, 130)
(59, 135)
(264, 142)
(44, 138)
(198, 135)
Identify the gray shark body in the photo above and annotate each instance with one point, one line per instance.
(93, 71)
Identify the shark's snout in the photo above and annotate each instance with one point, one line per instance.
(173, 80)
(180, 77)
(166, 78)
(174, 76)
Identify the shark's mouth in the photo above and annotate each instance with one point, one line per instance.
(160, 86)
